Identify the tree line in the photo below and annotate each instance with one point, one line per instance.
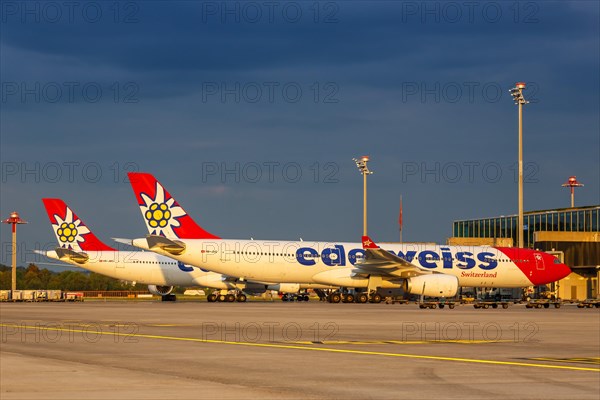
(33, 277)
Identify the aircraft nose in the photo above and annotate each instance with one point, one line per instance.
(564, 271)
(558, 270)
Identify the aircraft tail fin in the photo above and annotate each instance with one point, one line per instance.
(71, 233)
(162, 214)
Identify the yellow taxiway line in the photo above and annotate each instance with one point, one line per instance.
(311, 348)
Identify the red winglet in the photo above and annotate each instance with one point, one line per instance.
(368, 243)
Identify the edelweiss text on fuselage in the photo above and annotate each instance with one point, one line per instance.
(426, 258)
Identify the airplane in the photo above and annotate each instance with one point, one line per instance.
(420, 269)
(80, 247)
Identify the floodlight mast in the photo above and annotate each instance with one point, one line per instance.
(14, 220)
(363, 168)
(572, 183)
(517, 94)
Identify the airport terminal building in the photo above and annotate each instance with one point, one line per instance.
(571, 233)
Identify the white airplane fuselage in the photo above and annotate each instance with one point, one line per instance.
(144, 267)
(333, 263)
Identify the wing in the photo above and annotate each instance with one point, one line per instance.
(381, 262)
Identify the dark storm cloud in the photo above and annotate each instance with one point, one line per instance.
(166, 37)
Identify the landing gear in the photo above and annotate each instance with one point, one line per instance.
(355, 297)
(362, 298)
(168, 297)
(335, 297)
(227, 297)
(376, 298)
(348, 298)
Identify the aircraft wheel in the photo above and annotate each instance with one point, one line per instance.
(504, 305)
(241, 298)
(211, 298)
(486, 306)
(441, 306)
(336, 298)
(494, 305)
(376, 298)
(451, 306)
(349, 298)
(433, 306)
(547, 305)
(221, 298)
(230, 298)
(557, 305)
(421, 306)
(362, 298)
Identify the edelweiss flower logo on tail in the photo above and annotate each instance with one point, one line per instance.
(70, 233)
(161, 214)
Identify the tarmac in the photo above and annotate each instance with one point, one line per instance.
(158, 350)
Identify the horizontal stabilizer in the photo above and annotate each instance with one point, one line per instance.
(78, 257)
(128, 242)
(174, 247)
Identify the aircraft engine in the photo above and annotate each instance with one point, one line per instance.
(160, 290)
(435, 285)
(286, 287)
